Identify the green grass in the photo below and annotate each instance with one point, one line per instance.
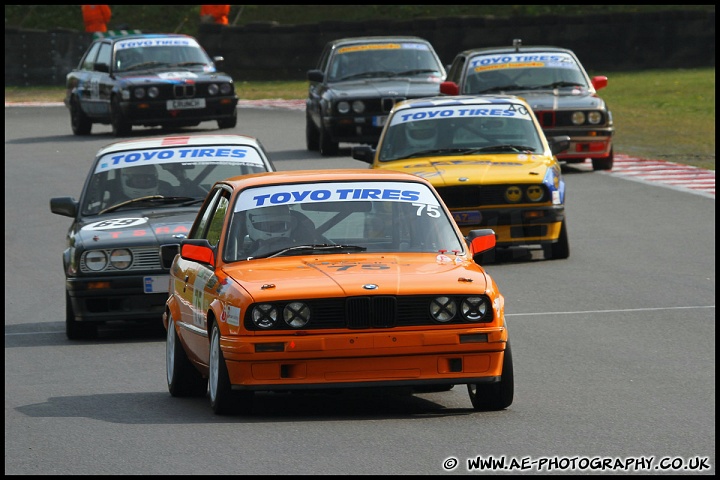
(658, 114)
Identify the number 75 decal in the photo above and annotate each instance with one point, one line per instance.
(431, 210)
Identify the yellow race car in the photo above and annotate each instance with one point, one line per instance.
(331, 280)
(488, 158)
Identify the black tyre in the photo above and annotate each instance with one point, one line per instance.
(231, 122)
(75, 330)
(183, 379)
(604, 163)
(120, 126)
(559, 250)
(312, 135)
(495, 396)
(222, 399)
(327, 146)
(80, 123)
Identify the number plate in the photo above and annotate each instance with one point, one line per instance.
(186, 104)
(472, 217)
(157, 284)
(379, 121)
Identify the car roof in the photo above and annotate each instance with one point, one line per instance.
(376, 39)
(520, 49)
(175, 140)
(451, 100)
(114, 37)
(337, 175)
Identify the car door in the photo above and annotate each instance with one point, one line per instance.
(201, 283)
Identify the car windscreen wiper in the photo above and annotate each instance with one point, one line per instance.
(152, 199)
(433, 151)
(316, 248)
(143, 65)
(500, 148)
(555, 85)
(187, 64)
(501, 88)
(368, 75)
(416, 71)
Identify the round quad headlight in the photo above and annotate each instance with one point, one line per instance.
(226, 89)
(264, 315)
(96, 260)
(139, 93)
(343, 107)
(594, 117)
(358, 106)
(213, 89)
(474, 309)
(121, 258)
(443, 309)
(578, 118)
(535, 193)
(296, 314)
(153, 92)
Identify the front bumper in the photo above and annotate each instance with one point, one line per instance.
(515, 226)
(358, 129)
(367, 360)
(585, 144)
(156, 112)
(122, 298)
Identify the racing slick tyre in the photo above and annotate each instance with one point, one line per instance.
(312, 136)
(559, 250)
(231, 122)
(183, 379)
(120, 126)
(80, 123)
(75, 330)
(222, 399)
(495, 396)
(327, 146)
(603, 163)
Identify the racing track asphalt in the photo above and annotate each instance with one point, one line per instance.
(657, 172)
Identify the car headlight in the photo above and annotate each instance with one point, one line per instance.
(443, 309)
(213, 89)
(358, 106)
(535, 193)
(264, 315)
(121, 258)
(153, 92)
(594, 117)
(343, 107)
(296, 314)
(139, 93)
(96, 260)
(578, 118)
(475, 309)
(226, 88)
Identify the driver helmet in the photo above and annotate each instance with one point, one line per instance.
(140, 181)
(421, 135)
(269, 222)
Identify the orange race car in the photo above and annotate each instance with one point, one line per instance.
(314, 280)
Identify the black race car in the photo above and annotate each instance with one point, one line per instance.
(357, 82)
(139, 200)
(150, 80)
(554, 83)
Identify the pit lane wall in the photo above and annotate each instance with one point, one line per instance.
(269, 51)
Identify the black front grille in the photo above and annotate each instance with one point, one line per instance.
(356, 313)
(184, 91)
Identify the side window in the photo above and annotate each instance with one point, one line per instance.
(104, 55)
(218, 218)
(89, 60)
(456, 70)
(205, 215)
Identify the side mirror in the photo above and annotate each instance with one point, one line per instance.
(365, 153)
(315, 76)
(65, 206)
(559, 144)
(481, 241)
(197, 250)
(449, 88)
(599, 82)
(101, 67)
